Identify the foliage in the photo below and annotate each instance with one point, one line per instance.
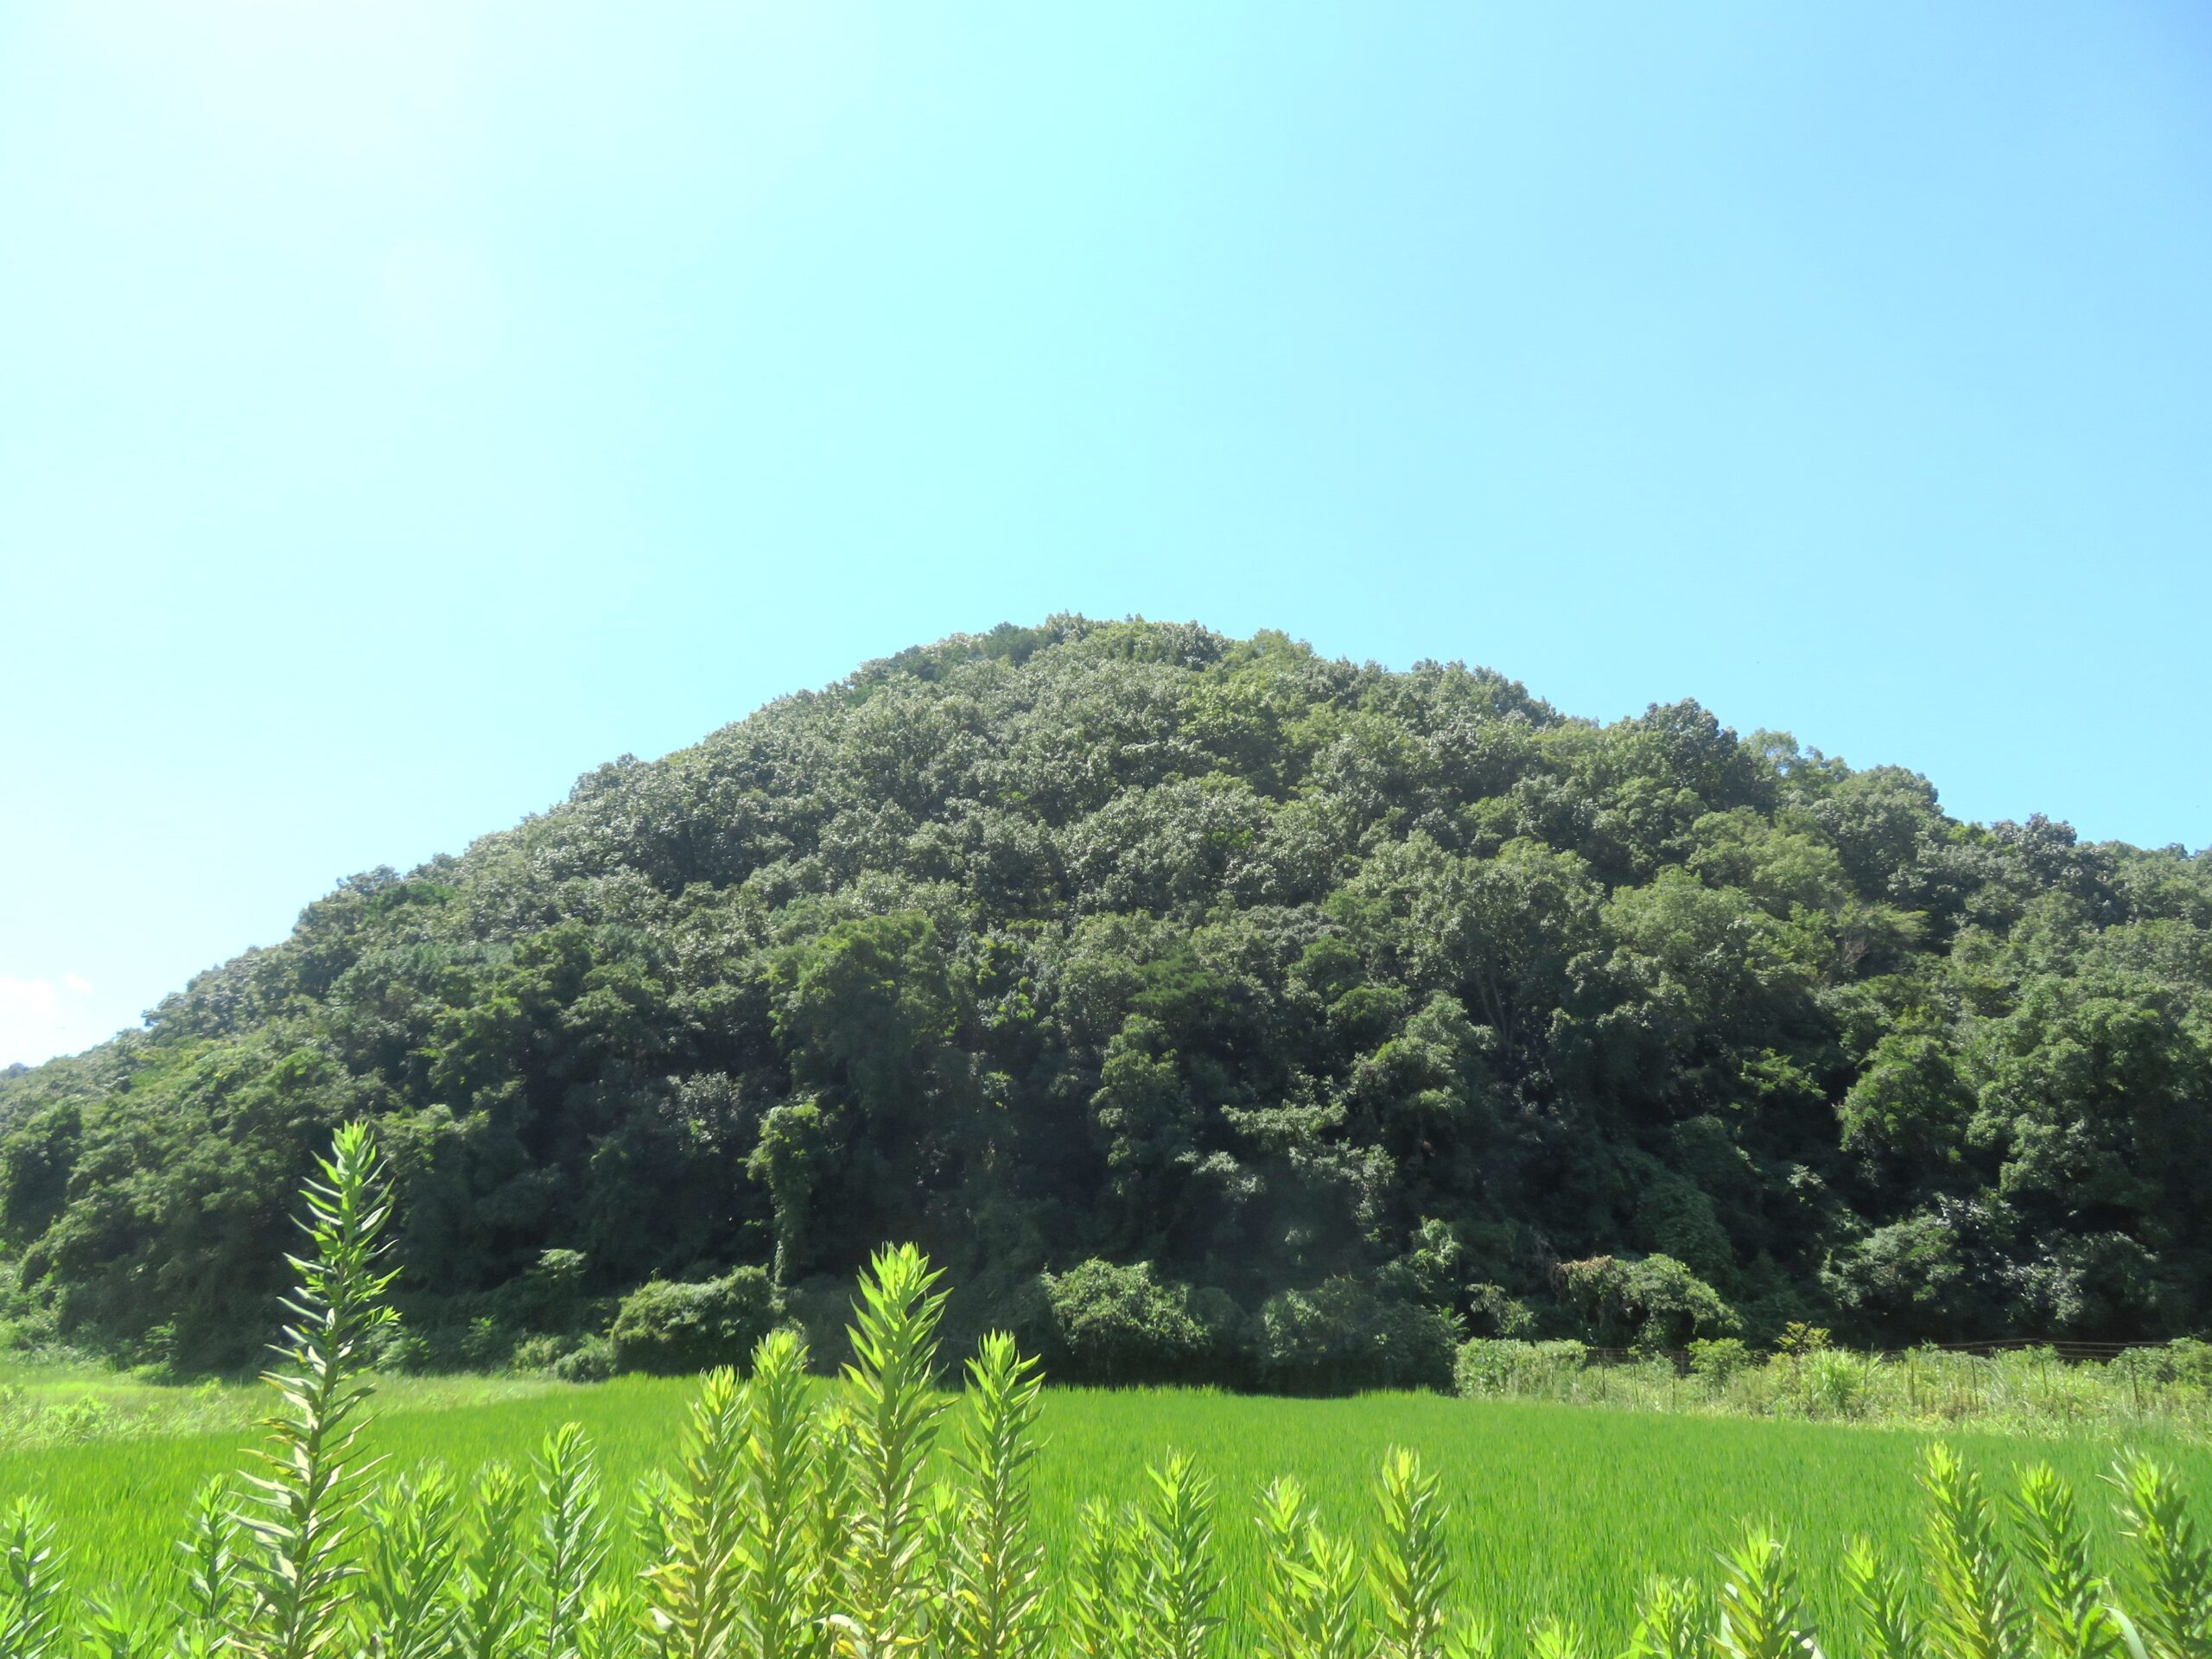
(1654, 1304)
(668, 1330)
(1131, 942)
(1120, 1324)
(1342, 1337)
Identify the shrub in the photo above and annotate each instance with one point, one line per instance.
(540, 1353)
(402, 1349)
(1340, 1337)
(1499, 1365)
(2191, 1361)
(1834, 1381)
(1122, 1324)
(591, 1360)
(668, 1328)
(1718, 1359)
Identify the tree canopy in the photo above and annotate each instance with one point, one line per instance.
(1268, 982)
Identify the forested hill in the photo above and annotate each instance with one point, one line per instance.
(1137, 943)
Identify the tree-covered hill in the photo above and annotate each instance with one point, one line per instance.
(1317, 988)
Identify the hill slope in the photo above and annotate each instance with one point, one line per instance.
(1133, 942)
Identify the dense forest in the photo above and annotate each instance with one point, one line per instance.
(1206, 997)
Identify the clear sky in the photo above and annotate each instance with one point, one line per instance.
(406, 406)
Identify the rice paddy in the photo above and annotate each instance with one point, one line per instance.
(1556, 1509)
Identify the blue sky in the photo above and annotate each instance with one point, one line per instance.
(404, 408)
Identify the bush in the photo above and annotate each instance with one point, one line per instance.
(404, 1349)
(668, 1329)
(540, 1353)
(1340, 1337)
(590, 1361)
(1120, 1324)
(1718, 1359)
(1496, 1365)
(2191, 1361)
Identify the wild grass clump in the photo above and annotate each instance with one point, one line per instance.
(2165, 1390)
(883, 1518)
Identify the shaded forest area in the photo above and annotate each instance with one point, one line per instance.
(1211, 1009)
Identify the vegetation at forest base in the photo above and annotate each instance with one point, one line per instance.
(881, 1515)
(1214, 1011)
(2031, 1390)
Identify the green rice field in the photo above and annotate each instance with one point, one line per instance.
(1556, 1508)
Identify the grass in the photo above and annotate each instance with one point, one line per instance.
(81, 1404)
(1555, 1510)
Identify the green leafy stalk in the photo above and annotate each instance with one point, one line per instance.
(997, 1565)
(570, 1546)
(212, 1590)
(692, 1589)
(117, 1633)
(1556, 1638)
(610, 1624)
(1888, 1627)
(1101, 1589)
(2072, 1611)
(1309, 1594)
(1760, 1614)
(1181, 1577)
(31, 1592)
(832, 1493)
(1411, 1568)
(495, 1610)
(1670, 1621)
(1977, 1613)
(408, 1602)
(2171, 1580)
(890, 1390)
(778, 1560)
(302, 1509)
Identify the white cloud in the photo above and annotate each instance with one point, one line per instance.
(39, 1019)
